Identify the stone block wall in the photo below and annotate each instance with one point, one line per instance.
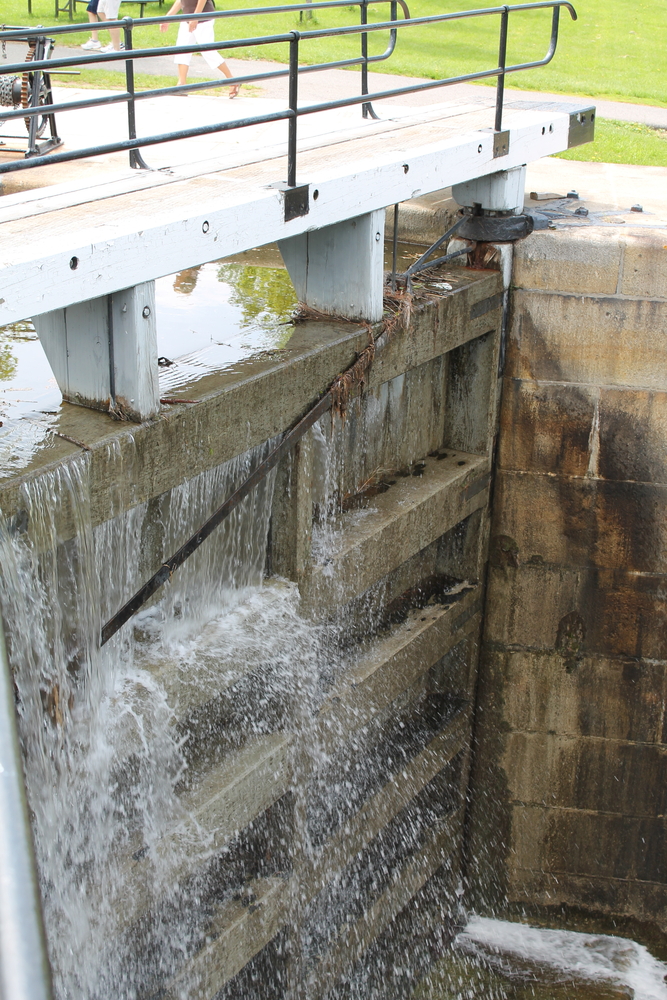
(570, 780)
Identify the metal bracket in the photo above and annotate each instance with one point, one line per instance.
(296, 200)
(582, 127)
(501, 144)
(496, 229)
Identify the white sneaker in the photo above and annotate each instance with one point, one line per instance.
(92, 44)
(110, 48)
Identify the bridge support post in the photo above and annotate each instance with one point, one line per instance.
(500, 192)
(103, 352)
(339, 269)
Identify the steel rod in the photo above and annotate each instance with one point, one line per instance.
(24, 967)
(293, 105)
(137, 161)
(293, 38)
(502, 59)
(394, 249)
(18, 32)
(354, 29)
(165, 571)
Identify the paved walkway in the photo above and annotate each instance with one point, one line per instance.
(344, 83)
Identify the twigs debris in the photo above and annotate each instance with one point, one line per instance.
(72, 440)
(350, 379)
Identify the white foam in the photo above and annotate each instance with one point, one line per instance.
(593, 957)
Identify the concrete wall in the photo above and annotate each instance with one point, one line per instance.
(571, 771)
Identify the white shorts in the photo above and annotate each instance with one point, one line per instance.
(109, 8)
(203, 33)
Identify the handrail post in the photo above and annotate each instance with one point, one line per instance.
(24, 966)
(293, 99)
(502, 59)
(366, 108)
(33, 125)
(137, 161)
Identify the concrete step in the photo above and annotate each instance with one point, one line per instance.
(224, 801)
(238, 931)
(368, 544)
(229, 795)
(393, 663)
(382, 807)
(207, 678)
(442, 843)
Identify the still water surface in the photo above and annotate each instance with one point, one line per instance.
(208, 318)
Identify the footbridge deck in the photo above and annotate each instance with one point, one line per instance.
(73, 242)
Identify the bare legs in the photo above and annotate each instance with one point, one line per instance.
(223, 68)
(114, 32)
(226, 71)
(93, 20)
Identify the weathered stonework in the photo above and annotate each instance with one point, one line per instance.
(571, 769)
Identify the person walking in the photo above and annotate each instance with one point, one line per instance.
(107, 10)
(196, 32)
(93, 42)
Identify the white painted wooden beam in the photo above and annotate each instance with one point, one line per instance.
(339, 269)
(103, 352)
(503, 191)
(113, 244)
(134, 327)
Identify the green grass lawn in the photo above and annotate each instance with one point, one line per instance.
(616, 49)
(623, 142)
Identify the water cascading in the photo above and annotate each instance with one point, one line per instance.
(108, 760)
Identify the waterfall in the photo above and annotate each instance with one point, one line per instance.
(106, 756)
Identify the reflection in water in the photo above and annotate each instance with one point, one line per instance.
(28, 396)
(208, 317)
(7, 361)
(185, 282)
(264, 294)
(214, 316)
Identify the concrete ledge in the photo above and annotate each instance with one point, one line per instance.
(382, 807)
(458, 319)
(238, 408)
(225, 801)
(403, 521)
(237, 934)
(393, 664)
(241, 932)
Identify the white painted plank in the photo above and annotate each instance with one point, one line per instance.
(339, 269)
(161, 231)
(136, 388)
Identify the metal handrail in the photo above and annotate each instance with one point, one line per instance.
(24, 966)
(293, 38)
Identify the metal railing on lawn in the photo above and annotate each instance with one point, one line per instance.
(40, 68)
